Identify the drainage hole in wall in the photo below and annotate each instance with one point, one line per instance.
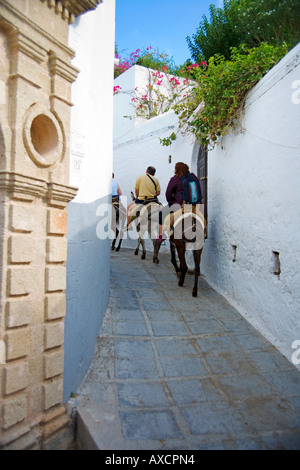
(276, 263)
(234, 247)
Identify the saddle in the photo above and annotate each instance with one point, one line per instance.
(134, 208)
(148, 200)
(172, 220)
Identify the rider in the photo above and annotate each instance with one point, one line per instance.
(147, 186)
(174, 193)
(115, 189)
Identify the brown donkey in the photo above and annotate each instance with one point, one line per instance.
(187, 232)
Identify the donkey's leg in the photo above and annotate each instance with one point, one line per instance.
(156, 247)
(122, 231)
(197, 256)
(115, 239)
(173, 257)
(183, 265)
(180, 245)
(156, 243)
(136, 252)
(121, 234)
(113, 243)
(143, 248)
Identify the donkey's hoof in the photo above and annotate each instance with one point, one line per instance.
(155, 260)
(117, 249)
(194, 294)
(143, 256)
(136, 252)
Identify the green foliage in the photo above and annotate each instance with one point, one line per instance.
(155, 60)
(247, 22)
(167, 141)
(151, 58)
(222, 88)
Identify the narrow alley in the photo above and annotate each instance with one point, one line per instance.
(175, 372)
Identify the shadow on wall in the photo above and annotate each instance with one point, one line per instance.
(87, 294)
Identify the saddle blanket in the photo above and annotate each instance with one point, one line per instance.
(134, 210)
(172, 221)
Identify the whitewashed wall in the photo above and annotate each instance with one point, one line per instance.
(137, 145)
(253, 204)
(92, 38)
(88, 263)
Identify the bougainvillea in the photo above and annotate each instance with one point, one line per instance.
(207, 97)
(214, 105)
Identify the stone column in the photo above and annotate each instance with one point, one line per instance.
(35, 101)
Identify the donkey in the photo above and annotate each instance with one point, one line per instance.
(187, 232)
(146, 220)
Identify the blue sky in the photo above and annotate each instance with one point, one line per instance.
(162, 24)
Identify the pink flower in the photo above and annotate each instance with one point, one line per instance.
(165, 68)
(175, 81)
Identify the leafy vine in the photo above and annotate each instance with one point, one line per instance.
(215, 103)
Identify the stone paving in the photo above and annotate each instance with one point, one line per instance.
(173, 372)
